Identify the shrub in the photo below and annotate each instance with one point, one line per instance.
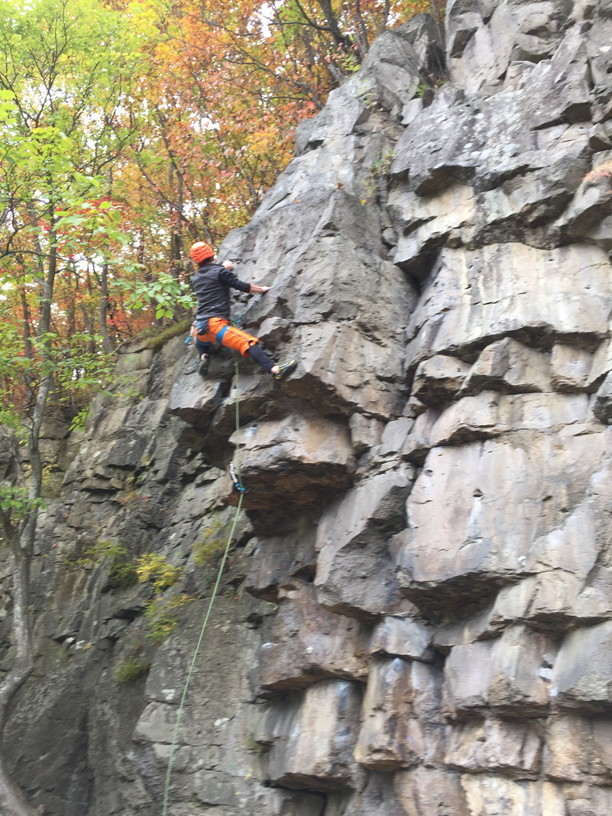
(159, 340)
(160, 616)
(155, 568)
(130, 669)
(122, 571)
(210, 547)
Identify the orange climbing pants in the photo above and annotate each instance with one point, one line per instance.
(232, 337)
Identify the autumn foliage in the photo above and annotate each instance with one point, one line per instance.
(130, 130)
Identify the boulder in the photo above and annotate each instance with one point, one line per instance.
(401, 637)
(491, 414)
(509, 366)
(494, 795)
(431, 792)
(342, 371)
(475, 297)
(277, 559)
(473, 526)
(438, 379)
(578, 749)
(570, 367)
(496, 746)
(377, 798)
(507, 675)
(390, 736)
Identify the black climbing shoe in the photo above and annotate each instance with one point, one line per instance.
(285, 370)
(204, 365)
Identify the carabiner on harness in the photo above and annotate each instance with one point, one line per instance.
(237, 486)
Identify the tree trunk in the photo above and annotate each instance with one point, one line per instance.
(176, 242)
(107, 342)
(12, 800)
(343, 40)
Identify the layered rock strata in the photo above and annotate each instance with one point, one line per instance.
(418, 615)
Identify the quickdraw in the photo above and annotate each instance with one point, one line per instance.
(237, 485)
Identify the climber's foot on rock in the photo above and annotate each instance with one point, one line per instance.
(204, 365)
(281, 372)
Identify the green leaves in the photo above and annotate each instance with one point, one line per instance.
(77, 370)
(91, 227)
(7, 106)
(15, 502)
(166, 294)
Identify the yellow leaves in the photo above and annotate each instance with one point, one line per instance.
(154, 567)
(264, 140)
(144, 17)
(188, 106)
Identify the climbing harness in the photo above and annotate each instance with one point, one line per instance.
(234, 473)
(236, 321)
(220, 335)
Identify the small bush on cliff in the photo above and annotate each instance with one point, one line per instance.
(52, 478)
(161, 617)
(155, 568)
(160, 339)
(122, 572)
(130, 669)
(160, 612)
(210, 546)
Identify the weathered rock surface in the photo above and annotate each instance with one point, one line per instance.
(309, 643)
(416, 617)
(307, 459)
(302, 754)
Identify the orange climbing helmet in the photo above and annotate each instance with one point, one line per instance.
(200, 252)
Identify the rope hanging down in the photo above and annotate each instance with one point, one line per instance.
(179, 714)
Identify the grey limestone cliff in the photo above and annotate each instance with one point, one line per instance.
(417, 615)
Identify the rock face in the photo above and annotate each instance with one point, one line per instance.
(417, 616)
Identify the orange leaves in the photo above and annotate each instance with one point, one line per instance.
(189, 122)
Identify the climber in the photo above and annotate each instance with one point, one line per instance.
(211, 283)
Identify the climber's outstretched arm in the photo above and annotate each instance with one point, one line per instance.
(255, 289)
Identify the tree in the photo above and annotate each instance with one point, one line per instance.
(62, 131)
(230, 81)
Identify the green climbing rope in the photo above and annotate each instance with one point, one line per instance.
(181, 707)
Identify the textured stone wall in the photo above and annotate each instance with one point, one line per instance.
(417, 617)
